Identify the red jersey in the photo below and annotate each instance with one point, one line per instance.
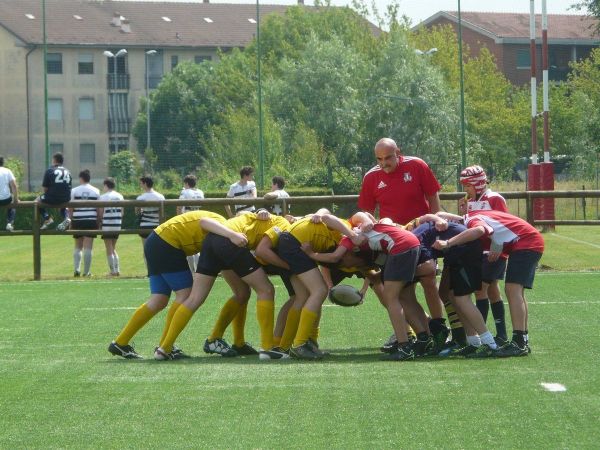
(401, 193)
(487, 201)
(505, 229)
(387, 239)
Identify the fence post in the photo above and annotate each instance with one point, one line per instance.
(37, 247)
(161, 213)
(284, 207)
(529, 206)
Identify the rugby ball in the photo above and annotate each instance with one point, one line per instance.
(345, 295)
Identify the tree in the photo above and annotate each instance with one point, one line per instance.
(592, 7)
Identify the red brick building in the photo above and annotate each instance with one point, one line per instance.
(506, 35)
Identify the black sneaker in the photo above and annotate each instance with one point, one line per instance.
(462, 351)
(219, 347)
(449, 347)
(274, 353)
(244, 350)
(124, 351)
(314, 346)
(483, 351)
(76, 274)
(391, 345)
(424, 348)
(501, 341)
(179, 353)
(403, 353)
(304, 351)
(512, 349)
(439, 339)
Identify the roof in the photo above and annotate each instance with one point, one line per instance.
(159, 24)
(512, 28)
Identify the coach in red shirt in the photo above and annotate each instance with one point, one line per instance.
(404, 187)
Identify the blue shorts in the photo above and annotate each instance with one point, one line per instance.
(521, 267)
(492, 271)
(164, 283)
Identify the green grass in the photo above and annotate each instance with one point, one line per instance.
(60, 388)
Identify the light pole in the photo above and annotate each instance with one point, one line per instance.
(148, 53)
(113, 85)
(463, 151)
(261, 150)
(45, 52)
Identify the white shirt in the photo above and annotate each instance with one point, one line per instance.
(237, 190)
(6, 176)
(150, 214)
(191, 194)
(113, 216)
(277, 209)
(85, 192)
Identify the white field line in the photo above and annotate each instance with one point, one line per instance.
(575, 240)
(554, 387)
(582, 302)
(113, 308)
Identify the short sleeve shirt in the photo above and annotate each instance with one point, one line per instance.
(236, 190)
(387, 239)
(57, 180)
(487, 201)
(6, 176)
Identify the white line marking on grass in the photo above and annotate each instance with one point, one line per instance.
(553, 387)
(115, 308)
(575, 240)
(583, 302)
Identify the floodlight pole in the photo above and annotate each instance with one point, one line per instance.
(45, 52)
(261, 150)
(463, 151)
(148, 53)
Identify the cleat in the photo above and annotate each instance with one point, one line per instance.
(88, 275)
(179, 354)
(124, 351)
(244, 350)
(64, 225)
(161, 355)
(449, 347)
(10, 227)
(483, 351)
(113, 274)
(500, 341)
(314, 346)
(76, 274)
(462, 351)
(439, 339)
(512, 349)
(424, 348)
(403, 353)
(391, 345)
(274, 353)
(49, 221)
(219, 347)
(304, 351)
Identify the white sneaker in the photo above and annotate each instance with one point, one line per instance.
(274, 353)
(10, 227)
(161, 355)
(49, 221)
(64, 225)
(391, 340)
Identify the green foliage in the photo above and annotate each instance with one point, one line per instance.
(592, 7)
(124, 166)
(16, 166)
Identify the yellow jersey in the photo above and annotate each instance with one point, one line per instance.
(321, 237)
(254, 228)
(184, 231)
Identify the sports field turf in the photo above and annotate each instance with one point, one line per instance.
(61, 388)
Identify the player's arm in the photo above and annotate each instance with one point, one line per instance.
(362, 220)
(466, 236)
(271, 195)
(334, 223)
(14, 191)
(326, 272)
(212, 226)
(450, 217)
(332, 257)
(440, 223)
(264, 250)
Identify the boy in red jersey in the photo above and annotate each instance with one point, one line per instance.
(525, 246)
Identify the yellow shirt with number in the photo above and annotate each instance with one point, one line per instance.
(254, 228)
(184, 231)
(321, 237)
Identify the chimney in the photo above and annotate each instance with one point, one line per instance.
(301, 2)
(116, 20)
(205, 1)
(125, 27)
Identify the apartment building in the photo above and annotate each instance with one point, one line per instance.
(102, 57)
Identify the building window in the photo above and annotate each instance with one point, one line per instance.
(201, 58)
(86, 64)
(54, 63)
(118, 145)
(86, 109)
(57, 147)
(523, 59)
(55, 109)
(174, 61)
(87, 153)
(155, 69)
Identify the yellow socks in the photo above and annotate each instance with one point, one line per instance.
(308, 319)
(140, 317)
(239, 325)
(291, 327)
(265, 314)
(227, 314)
(170, 315)
(178, 323)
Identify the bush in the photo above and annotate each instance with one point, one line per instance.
(124, 167)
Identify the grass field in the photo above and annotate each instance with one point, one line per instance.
(60, 387)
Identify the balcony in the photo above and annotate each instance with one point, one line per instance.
(119, 126)
(119, 81)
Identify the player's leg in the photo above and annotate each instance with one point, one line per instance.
(390, 298)
(281, 319)
(482, 301)
(108, 247)
(77, 250)
(294, 312)
(417, 319)
(88, 243)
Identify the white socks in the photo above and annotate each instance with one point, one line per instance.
(488, 339)
(475, 341)
(76, 259)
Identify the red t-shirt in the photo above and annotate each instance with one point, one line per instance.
(487, 201)
(503, 228)
(401, 193)
(387, 239)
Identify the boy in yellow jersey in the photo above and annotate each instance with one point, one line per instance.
(166, 250)
(218, 254)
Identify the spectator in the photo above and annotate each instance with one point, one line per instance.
(111, 218)
(190, 192)
(9, 194)
(245, 188)
(278, 183)
(149, 216)
(57, 190)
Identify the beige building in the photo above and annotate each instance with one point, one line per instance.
(93, 98)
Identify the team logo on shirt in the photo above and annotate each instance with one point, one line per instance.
(407, 177)
(381, 185)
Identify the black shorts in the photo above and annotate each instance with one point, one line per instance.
(84, 225)
(219, 253)
(51, 200)
(402, 266)
(144, 234)
(162, 257)
(465, 269)
(521, 267)
(290, 251)
(285, 276)
(6, 201)
(492, 271)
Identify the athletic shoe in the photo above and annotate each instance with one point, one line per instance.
(179, 353)
(424, 348)
(304, 352)
(391, 345)
(49, 221)
(244, 350)
(274, 353)
(161, 355)
(10, 227)
(501, 342)
(63, 225)
(124, 351)
(483, 351)
(219, 347)
(76, 274)
(512, 349)
(449, 347)
(314, 346)
(88, 275)
(439, 339)
(462, 351)
(403, 353)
